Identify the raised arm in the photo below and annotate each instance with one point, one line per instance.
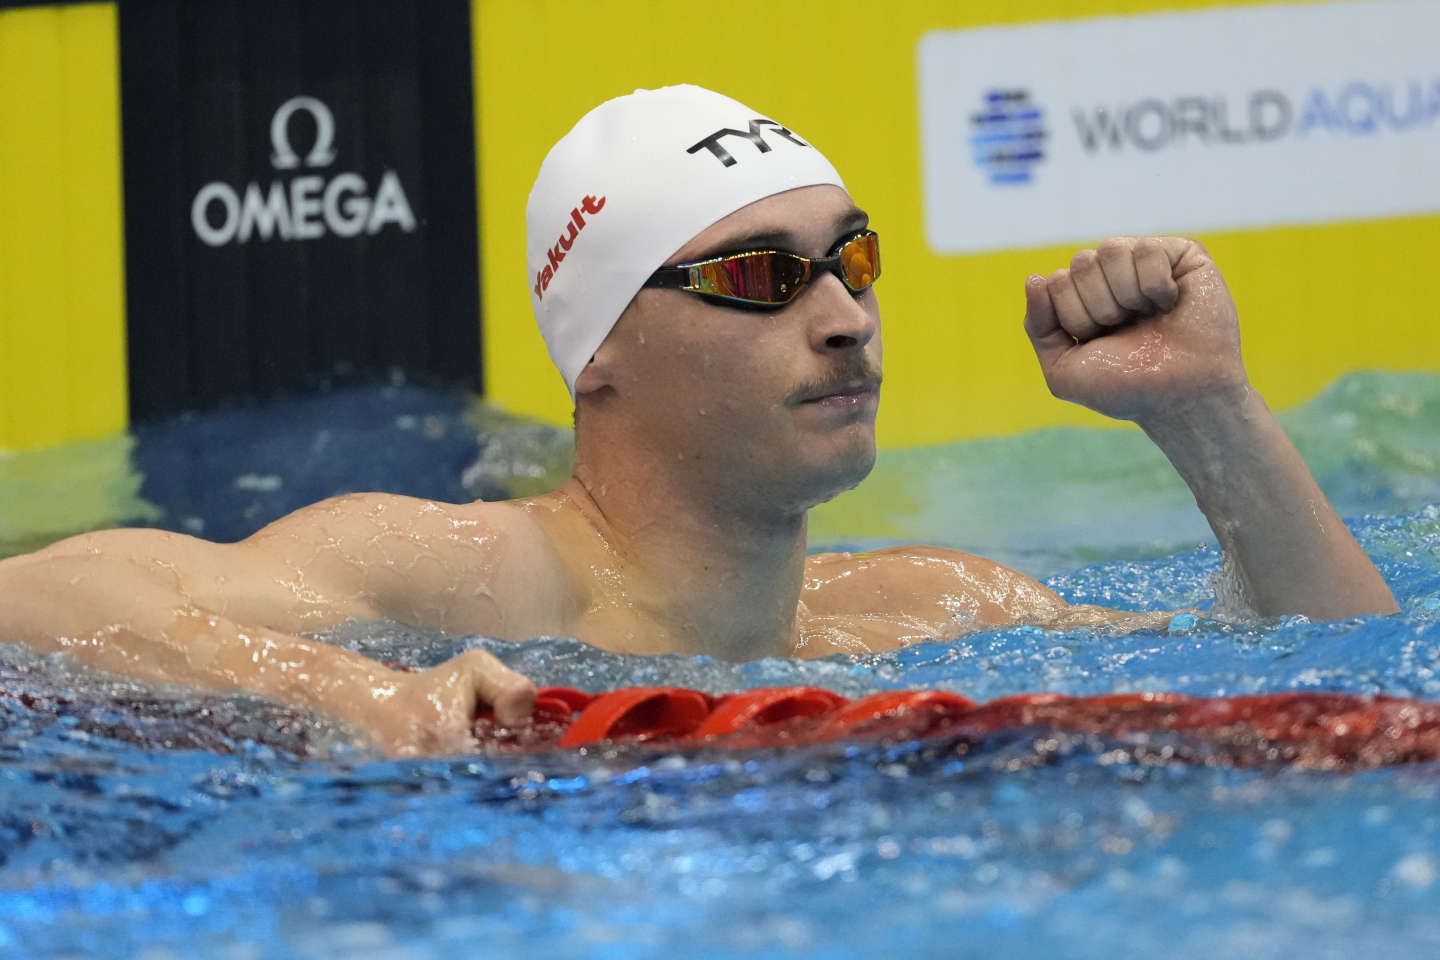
(161, 606)
(1144, 329)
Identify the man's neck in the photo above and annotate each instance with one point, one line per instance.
(707, 578)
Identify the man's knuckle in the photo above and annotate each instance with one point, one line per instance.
(1163, 297)
(477, 660)
(1155, 286)
(1113, 248)
(1108, 314)
(1083, 261)
(1133, 300)
(514, 686)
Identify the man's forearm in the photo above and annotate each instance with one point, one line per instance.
(107, 616)
(199, 648)
(128, 615)
(1289, 547)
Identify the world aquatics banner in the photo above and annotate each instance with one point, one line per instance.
(1220, 119)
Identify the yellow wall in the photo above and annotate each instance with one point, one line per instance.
(1314, 301)
(62, 326)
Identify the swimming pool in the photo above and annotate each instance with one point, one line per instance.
(1036, 846)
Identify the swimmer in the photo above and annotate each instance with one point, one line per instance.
(706, 286)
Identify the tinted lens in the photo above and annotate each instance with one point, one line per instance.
(860, 261)
(757, 277)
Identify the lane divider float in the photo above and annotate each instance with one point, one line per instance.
(1325, 730)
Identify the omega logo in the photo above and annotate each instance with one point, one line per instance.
(308, 206)
(320, 155)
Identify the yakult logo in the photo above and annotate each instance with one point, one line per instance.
(556, 254)
(306, 207)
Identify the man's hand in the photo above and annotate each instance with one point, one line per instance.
(1143, 329)
(433, 711)
(1135, 326)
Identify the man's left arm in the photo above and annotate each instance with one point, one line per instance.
(1144, 329)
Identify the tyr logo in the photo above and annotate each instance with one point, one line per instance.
(712, 142)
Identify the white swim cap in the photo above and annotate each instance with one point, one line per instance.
(630, 184)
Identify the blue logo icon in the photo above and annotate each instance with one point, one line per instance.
(1007, 137)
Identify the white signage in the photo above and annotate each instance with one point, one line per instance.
(1226, 118)
(306, 207)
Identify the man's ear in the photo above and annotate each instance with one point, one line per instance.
(601, 371)
(595, 376)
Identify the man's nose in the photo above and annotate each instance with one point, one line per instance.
(838, 321)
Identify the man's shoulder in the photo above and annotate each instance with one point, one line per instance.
(921, 580)
(485, 567)
(923, 559)
(394, 520)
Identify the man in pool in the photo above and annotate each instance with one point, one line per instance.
(705, 285)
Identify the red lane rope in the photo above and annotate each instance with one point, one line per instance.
(1325, 730)
(1317, 730)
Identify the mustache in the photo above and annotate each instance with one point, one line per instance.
(855, 368)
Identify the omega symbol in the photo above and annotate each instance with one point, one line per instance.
(320, 155)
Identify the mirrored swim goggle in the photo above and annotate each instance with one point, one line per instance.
(769, 279)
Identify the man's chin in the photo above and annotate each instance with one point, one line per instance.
(842, 473)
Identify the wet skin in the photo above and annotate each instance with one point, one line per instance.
(704, 435)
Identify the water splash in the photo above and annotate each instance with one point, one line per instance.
(299, 845)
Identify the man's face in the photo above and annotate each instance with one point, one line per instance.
(773, 409)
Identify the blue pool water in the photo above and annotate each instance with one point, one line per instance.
(297, 845)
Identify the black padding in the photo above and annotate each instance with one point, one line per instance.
(201, 81)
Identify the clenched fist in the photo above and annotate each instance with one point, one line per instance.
(433, 711)
(1135, 327)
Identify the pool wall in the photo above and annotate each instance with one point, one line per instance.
(115, 306)
(62, 278)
